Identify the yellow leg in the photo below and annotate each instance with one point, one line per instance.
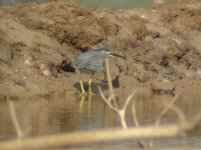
(89, 88)
(82, 88)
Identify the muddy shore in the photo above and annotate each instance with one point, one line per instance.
(39, 42)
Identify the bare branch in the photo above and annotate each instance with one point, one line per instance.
(196, 121)
(121, 114)
(109, 80)
(128, 100)
(140, 142)
(180, 114)
(87, 137)
(15, 120)
(106, 100)
(166, 109)
(134, 115)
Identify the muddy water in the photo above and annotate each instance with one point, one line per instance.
(57, 115)
(97, 3)
(119, 3)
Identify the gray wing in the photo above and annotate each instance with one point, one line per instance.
(89, 61)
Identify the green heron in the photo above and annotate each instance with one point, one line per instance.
(91, 61)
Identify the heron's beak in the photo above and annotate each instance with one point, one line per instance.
(117, 55)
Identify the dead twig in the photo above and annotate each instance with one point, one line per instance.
(135, 116)
(87, 137)
(141, 143)
(180, 114)
(111, 102)
(166, 109)
(15, 120)
(107, 101)
(109, 81)
(120, 112)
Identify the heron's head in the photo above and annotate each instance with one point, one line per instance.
(108, 53)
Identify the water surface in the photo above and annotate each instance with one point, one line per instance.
(95, 3)
(41, 116)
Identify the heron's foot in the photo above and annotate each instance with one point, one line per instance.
(83, 93)
(89, 88)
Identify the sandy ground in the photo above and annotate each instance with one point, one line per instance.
(39, 43)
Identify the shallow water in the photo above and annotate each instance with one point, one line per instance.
(95, 3)
(40, 116)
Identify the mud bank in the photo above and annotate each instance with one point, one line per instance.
(38, 44)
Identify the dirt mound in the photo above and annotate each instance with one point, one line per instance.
(39, 43)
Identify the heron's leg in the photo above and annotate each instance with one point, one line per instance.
(82, 88)
(89, 88)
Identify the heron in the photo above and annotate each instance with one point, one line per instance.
(91, 61)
